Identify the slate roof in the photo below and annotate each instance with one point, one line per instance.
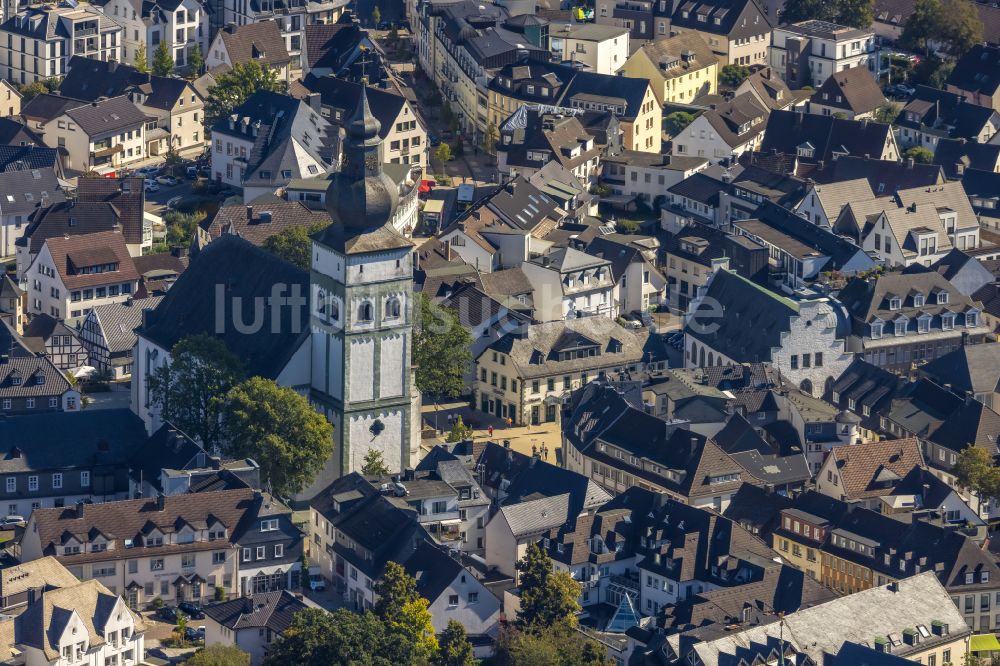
(343, 95)
(747, 306)
(15, 134)
(189, 308)
(630, 89)
(90, 79)
(977, 71)
(755, 509)
(107, 117)
(730, 14)
(535, 355)
(118, 321)
(261, 42)
(27, 371)
(133, 519)
(271, 610)
(857, 89)
(956, 155)
(335, 46)
(974, 368)
(783, 228)
(45, 573)
(126, 196)
(861, 466)
(26, 189)
(728, 117)
(787, 130)
(383, 529)
(535, 516)
(48, 106)
(972, 424)
(884, 176)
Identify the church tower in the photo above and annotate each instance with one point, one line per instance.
(362, 311)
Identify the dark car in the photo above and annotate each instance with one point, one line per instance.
(193, 611)
(194, 633)
(166, 614)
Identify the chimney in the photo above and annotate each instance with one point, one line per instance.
(909, 162)
(249, 213)
(161, 502)
(147, 317)
(232, 121)
(112, 66)
(80, 508)
(694, 445)
(448, 252)
(315, 102)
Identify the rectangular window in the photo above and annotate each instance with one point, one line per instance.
(279, 550)
(32, 483)
(57, 480)
(85, 479)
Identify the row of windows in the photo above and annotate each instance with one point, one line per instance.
(57, 482)
(31, 403)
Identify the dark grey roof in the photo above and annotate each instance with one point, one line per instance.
(630, 89)
(701, 188)
(245, 271)
(884, 176)
(255, 42)
(118, 321)
(343, 95)
(754, 323)
(956, 155)
(31, 377)
(787, 130)
(978, 71)
(106, 117)
(14, 134)
(856, 89)
(25, 189)
(737, 18)
(271, 610)
(91, 79)
(67, 440)
(433, 568)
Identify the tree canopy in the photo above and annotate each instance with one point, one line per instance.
(674, 123)
(294, 244)
(191, 390)
(953, 24)
(887, 113)
(919, 154)
(140, 62)
(459, 432)
(374, 464)
(441, 350)
(163, 61)
(219, 655)
(853, 13)
(234, 87)
(455, 648)
(279, 429)
(548, 597)
(196, 60)
(558, 645)
(733, 75)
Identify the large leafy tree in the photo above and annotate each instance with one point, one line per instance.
(163, 61)
(196, 60)
(294, 244)
(279, 429)
(455, 648)
(920, 155)
(234, 87)
(887, 113)
(219, 655)
(558, 645)
(405, 613)
(954, 24)
(733, 75)
(548, 597)
(855, 13)
(395, 589)
(441, 350)
(674, 123)
(191, 390)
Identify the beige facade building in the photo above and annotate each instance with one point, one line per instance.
(679, 68)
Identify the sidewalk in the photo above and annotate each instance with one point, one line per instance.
(522, 438)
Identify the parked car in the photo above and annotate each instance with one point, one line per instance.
(167, 181)
(193, 611)
(194, 633)
(151, 186)
(191, 173)
(166, 614)
(316, 582)
(147, 172)
(13, 520)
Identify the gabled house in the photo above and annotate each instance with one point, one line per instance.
(823, 139)
(771, 91)
(527, 374)
(107, 334)
(25, 583)
(824, 202)
(803, 338)
(30, 383)
(251, 623)
(977, 76)
(57, 341)
(534, 136)
(681, 68)
(340, 49)
(105, 135)
(933, 114)
(568, 283)
(725, 130)
(808, 52)
(641, 285)
(174, 104)
(72, 274)
(864, 474)
(260, 42)
(270, 140)
(601, 49)
(969, 370)
(629, 99)
(25, 187)
(850, 93)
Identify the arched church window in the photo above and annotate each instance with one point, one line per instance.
(365, 312)
(392, 308)
(321, 302)
(334, 311)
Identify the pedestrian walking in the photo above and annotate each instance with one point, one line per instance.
(490, 430)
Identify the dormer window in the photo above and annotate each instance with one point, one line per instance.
(269, 525)
(876, 330)
(900, 326)
(924, 323)
(918, 300)
(971, 318)
(948, 321)
(895, 303)
(942, 297)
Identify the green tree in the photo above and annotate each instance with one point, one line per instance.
(459, 432)
(196, 60)
(674, 123)
(976, 471)
(558, 645)
(794, 11)
(733, 75)
(376, 15)
(960, 26)
(234, 87)
(921, 26)
(548, 597)
(279, 429)
(856, 13)
(191, 390)
(141, 60)
(219, 655)
(31, 90)
(395, 589)
(887, 113)
(490, 138)
(310, 639)
(940, 73)
(454, 647)
(443, 152)
(920, 155)
(163, 62)
(441, 350)
(294, 244)
(374, 464)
